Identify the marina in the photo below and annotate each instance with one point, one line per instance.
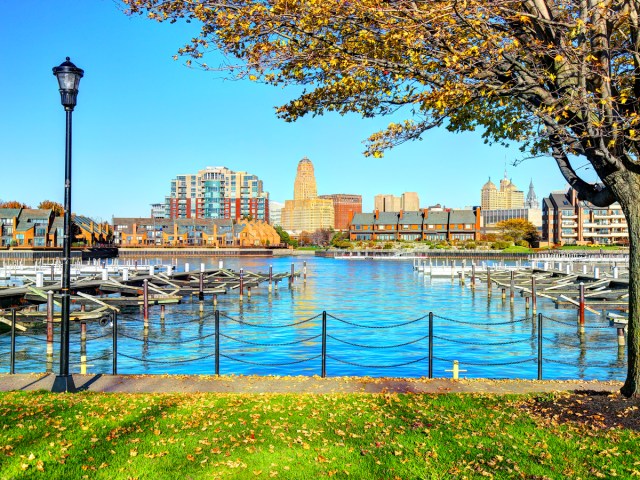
(370, 311)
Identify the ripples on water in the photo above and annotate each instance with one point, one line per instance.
(501, 342)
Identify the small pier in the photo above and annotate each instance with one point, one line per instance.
(98, 295)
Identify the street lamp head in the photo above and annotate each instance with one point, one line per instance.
(68, 79)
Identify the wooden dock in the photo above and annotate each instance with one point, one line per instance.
(127, 289)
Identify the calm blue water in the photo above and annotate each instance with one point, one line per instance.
(491, 338)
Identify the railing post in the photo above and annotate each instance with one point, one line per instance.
(115, 343)
(13, 342)
(201, 287)
(430, 344)
(539, 346)
(217, 348)
(323, 372)
(83, 347)
(49, 330)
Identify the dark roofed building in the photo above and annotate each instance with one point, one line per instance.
(432, 225)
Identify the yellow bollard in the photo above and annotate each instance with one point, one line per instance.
(456, 370)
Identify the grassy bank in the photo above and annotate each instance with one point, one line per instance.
(190, 436)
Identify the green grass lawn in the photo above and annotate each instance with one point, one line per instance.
(242, 436)
(517, 249)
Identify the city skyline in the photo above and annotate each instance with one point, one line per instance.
(143, 118)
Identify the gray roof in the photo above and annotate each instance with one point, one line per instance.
(362, 219)
(411, 218)
(31, 216)
(386, 218)
(9, 212)
(462, 216)
(437, 218)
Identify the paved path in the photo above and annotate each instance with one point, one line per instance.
(273, 384)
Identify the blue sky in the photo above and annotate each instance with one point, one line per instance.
(143, 118)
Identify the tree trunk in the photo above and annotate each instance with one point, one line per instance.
(628, 193)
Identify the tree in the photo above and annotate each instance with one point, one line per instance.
(284, 236)
(518, 229)
(58, 209)
(304, 239)
(558, 77)
(322, 236)
(14, 204)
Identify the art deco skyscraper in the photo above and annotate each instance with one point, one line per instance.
(304, 186)
(306, 212)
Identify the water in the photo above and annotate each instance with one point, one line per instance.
(490, 338)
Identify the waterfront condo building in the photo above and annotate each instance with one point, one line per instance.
(345, 206)
(426, 224)
(217, 192)
(306, 212)
(567, 220)
(200, 232)
(30, 227)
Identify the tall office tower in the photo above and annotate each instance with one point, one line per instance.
(410, 202)
(508, 196)
(345, 206)
(306, 212)
(217, 192)
(387, 203)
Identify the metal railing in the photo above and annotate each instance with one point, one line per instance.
(319, 345)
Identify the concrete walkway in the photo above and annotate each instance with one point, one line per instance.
(273, 384)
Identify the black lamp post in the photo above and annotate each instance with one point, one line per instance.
(68, 78)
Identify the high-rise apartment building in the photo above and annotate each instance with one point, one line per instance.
(506, 197)
(408, 201)
(345, 206)
(306, 212)
(275, 213)
(217, 192)
(567, 220)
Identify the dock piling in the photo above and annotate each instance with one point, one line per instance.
(473, 276)
(581, 309)
(534, 301)
(512, 287)
(145, 303)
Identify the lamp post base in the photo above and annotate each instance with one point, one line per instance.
(63, 384)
